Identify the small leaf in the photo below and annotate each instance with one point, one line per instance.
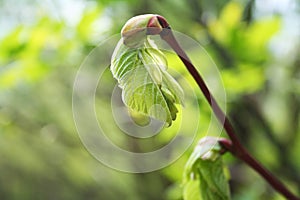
(147, 86)
(205, 168)
(213, 183)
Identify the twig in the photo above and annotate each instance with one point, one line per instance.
(235, 147)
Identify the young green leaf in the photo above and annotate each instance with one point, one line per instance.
(146, 85)
(204, 172)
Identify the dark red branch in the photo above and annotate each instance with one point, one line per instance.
(235, 147)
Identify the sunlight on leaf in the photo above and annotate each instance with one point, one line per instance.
(85, 27)
(147, 86)
(246, 79)
(260, 32)
(231, 14)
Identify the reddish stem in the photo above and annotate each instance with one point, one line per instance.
(235, 146)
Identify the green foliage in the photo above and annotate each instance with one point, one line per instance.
(147, 86)
(85, 26)
(204, 177)
(246, 44)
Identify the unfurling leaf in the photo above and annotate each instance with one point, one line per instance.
(146, 86)
(204, 177)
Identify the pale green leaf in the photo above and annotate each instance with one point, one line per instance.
(213, 183)
(206, 170)
(147, 86)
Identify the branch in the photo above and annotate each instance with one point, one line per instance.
(235, 147)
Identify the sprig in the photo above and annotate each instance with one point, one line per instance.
(135, 33)
(141, 70)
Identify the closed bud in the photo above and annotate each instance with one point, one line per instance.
(136, 29)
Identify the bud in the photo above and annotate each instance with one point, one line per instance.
(136, 29)
(208, 148)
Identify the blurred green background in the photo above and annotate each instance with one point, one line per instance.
(255, 44)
